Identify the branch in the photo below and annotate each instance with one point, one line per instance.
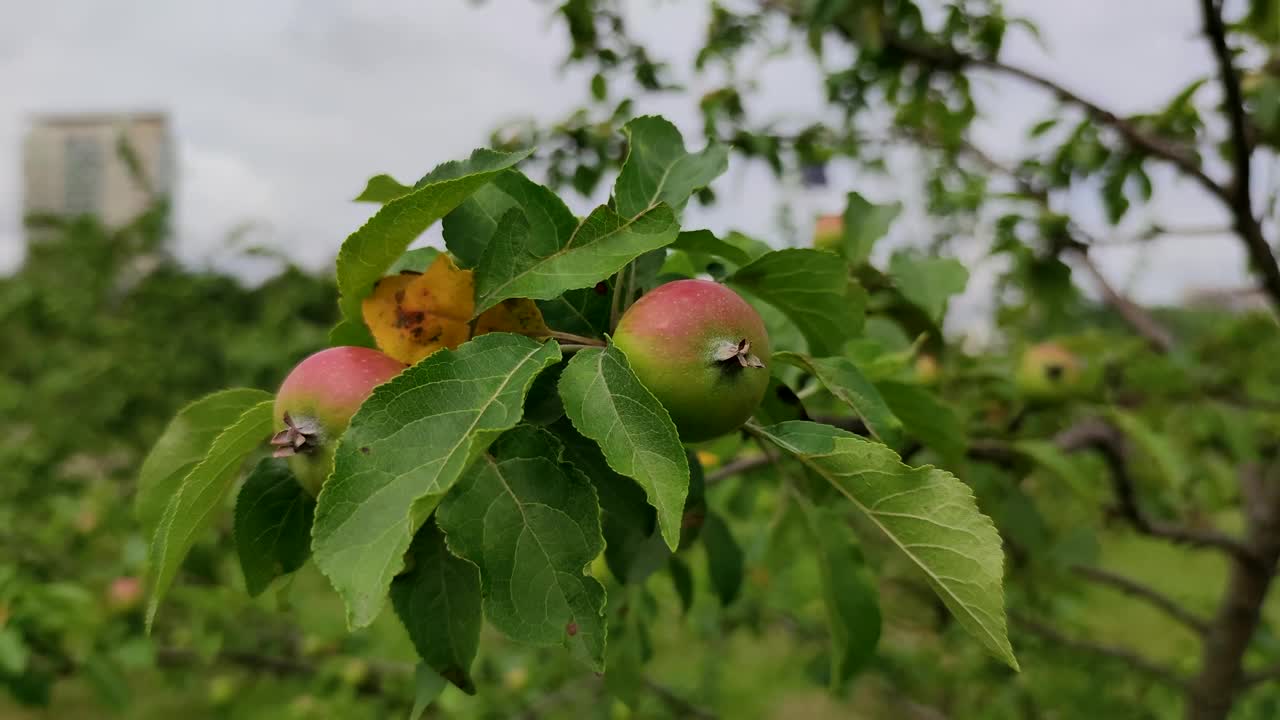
(1238, 196)
(372, 684)
(1097, 434)
(1128, 657)
(740, 465)
(1258, 677)
(1153, 145)
(1152, 596)
(681, 706)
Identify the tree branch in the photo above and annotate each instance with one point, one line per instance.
(1152, 596)
(1153, 145)
(1124, 655)
(1097, 434)
(1238, 196)
(681, 706)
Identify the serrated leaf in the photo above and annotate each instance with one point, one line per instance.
(812, 288)
(533, 257)
(382, 189)
(704, 242)
(926, 418)
(272, 524)
(468, 229)
(184, 443)
(368, 252)
(607, 403)
(852, 606)
(532, 524)
(844, 380)
(724, 559)
(584, 311)
(927, 513)
(658, 169)
(406, 446)
(634, 547)
(928, 282)
(438, 602)
(864, 223)
(190, 509)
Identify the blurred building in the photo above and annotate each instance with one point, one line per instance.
(107, 164)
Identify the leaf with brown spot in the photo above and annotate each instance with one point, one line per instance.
(412, 315)
(515, 315)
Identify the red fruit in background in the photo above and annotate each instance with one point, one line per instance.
(828, 232)
(124, 593)
(702, 351)
(316, 401)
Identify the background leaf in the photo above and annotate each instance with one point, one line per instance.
(532, 524)
(927, 418)
(811, 289)
(272, 524)
(926, 512)
(659, 170)
(928, 282)
(405, 448)
(382, 189)
(438, 602)
(724, 559)
(607, 403)
(191, 508)
(185, 443)
(865, 223)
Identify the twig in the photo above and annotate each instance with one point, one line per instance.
(1257, 677)
(580, 339)
(1238, 196)
(1099, 435)
(1138, 318)
(372, 684)
(1124, 655)
(1152, 596)
(740, 465)
(568, 348)
(1153, 145)
(615, 305)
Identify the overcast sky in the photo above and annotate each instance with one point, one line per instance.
(282, 109)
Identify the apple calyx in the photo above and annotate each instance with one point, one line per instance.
(297, 437)
(739, 353)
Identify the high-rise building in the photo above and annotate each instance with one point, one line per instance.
(106, 164)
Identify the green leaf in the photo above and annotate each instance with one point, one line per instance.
(427, 686)
(926, 418)
(190, 509)
(634, 547)
(415, 260)
(812, 288)
(844, 380)
(369, 251)
(184, 443)
(382, 189)
(864, 223)
(272, 524)
(607, 403)
(535, 254)
(724, 559)
(682, 579)
(532, 524)
(468, 229)
(780, 404)
(584, 311)
(658, 170)
(853, 610)
(1050, 457)
(704, 242)
(1168, 463)
(926, 512)
(406, 446)
(928, 282)
(13, 652)
(438, 602)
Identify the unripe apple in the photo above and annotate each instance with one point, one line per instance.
(1048, 371)
(316, 401)
(926, 369)
(124, 594)
(702, 351)
(828, 232)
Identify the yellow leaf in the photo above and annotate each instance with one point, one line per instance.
(516, 315)
(412, 315)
